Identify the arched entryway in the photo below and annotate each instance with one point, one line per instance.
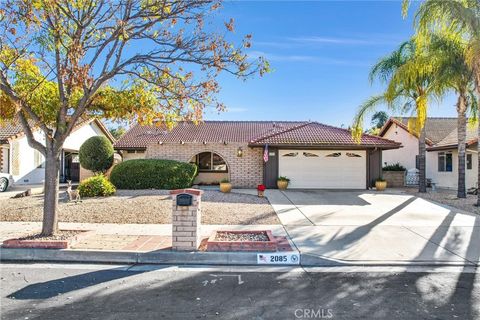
(212, 168)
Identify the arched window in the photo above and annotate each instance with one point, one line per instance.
(209, 162)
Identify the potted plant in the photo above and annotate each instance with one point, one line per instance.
(260, 190)
(282, 183)
(225, 186)
(380, 184)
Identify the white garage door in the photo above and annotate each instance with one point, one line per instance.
(324, 169)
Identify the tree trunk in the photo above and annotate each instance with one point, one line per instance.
(477, 85)
(462, 136)
(50, 204)
(422, 180)
(478, 147)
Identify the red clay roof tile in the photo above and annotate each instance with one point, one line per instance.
(251, 132)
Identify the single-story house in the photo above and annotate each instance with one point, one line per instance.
(249, 153)
(442, 154)
(27, 165)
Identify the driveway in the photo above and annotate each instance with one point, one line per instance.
(365, 227)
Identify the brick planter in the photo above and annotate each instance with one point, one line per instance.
(262, 246)
(47, 244)
(394, 179)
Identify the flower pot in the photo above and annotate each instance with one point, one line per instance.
(260, 193)
(225, 187)
(380, 185)
(282, 185)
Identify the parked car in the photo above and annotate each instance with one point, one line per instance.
(6, 180)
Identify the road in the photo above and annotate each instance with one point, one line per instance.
(65, 291)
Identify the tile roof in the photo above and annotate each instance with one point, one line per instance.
(251, 132)
(318, 134)
(436, 128)
(451, 140)
(13, 128)
(9, 129)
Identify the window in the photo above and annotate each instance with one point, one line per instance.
(309, 155)
(291, 154)
(469, 161)
(417, 162)
(353, 155)
(334, 155)
(38, 161)
(209, 162)
(445, 162)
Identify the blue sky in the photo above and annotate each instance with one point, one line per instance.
(320, 51)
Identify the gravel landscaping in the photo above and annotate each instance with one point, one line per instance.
(448, 197)
(243, 236)
(143, 206)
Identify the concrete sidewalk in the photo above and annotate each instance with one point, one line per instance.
(128, 243)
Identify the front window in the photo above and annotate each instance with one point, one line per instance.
(469, 161)
(445, 163)
(209, 162)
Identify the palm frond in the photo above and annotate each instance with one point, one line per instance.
(367, 107)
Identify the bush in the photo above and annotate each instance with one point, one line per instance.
(153, 174)
(96, 154)
(394, 167)
(96, 186)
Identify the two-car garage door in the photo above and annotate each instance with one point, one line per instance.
(324, 169)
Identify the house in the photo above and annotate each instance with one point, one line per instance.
(249, 153)
(442, 155)
(27, 165)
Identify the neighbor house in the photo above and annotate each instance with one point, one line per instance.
(441, 145)
(27, 165)
(249, 153)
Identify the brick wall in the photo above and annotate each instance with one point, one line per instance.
(394, 178)
(244, 172)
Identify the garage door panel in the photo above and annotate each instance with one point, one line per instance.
(324, 168)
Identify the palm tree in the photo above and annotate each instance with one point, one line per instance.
(446, 51)
(461, 17)
(408, 76)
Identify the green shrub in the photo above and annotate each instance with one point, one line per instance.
(96, 186)
(281, 178)
(96, 154)
(394, 167)
(153, 174)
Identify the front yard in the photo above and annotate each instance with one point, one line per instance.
(448, 197)
(143, 206)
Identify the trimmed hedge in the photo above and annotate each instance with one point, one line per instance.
(394, 167)
(96, 186)
(96, 154)
(153, 174)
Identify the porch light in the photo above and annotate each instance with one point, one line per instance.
(239, 152)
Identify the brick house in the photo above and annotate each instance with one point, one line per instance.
(311, 154)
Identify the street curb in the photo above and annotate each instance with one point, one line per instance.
(188, 258)
(96, 256)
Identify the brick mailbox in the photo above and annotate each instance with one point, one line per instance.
(186, 219)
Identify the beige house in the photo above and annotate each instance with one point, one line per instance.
(249, 153)
(442, 155)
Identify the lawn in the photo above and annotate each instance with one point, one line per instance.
(143, 206)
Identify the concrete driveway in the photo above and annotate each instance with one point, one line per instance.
(365, 227)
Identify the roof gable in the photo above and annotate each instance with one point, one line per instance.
(13, 128)
(436, 129)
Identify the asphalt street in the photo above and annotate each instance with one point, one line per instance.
(63, 291)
